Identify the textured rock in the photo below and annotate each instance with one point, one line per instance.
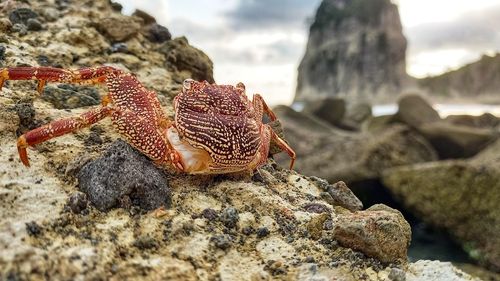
(486, 120)
(189, 61)
(425, 270)
(119, 28)
(356, 49)
(66, 96)
(459, 196)
(123, 176)
(380, 232)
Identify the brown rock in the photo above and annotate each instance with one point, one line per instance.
(118, 28)
(379, 232)
(415, 111)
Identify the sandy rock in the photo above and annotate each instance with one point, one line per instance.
(425, 270)
(124, 177)
(459, 196)
(119, 28)
(380, 231)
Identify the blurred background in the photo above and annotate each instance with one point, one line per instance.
(400, 99)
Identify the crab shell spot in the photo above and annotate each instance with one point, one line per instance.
(194, 160)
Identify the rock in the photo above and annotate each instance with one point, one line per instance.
(147, 18)
(331, 110)
(378, 123)
(456, 141)
(456, 195)
(124, 172)
(20, 28)
(338, 194)
(477, 80)
(356, 114)
(34, 25)
(189, 61)
(158, 33)
(356, 49)
(119, 48)
(22, 15)
(50, 14)
(425, 270)
(5, 25)
(415, 111)
(2, 52)
(77, 202)
(66, 96)
(229, 217)
(119, 28)
(33, 228)
(336, 156)
(486, 120)
(379, 232)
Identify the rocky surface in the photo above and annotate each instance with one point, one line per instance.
(478, 80)
(275, 224)
(459, 196)
(352, 157)
(356, 49)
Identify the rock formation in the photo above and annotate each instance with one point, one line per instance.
(356, 49)
(480, 79)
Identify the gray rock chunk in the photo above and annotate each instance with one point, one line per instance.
(331, 110)
(22, 15)
(123, 173)
(67, 96)
(119, 28)
(415, 111)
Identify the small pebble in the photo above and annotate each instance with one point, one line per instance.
(116, 6)
(159, 33)
(247, 230)
(119, 48)
(22, 15)
(397, 274)
(34, 25)
(2, 52)
(77, 202)
(221, 241)
(20, 28)
(145, 242)
(262, 232)
(43, 60)
(33, 228)
(229, 217)
(209, 214)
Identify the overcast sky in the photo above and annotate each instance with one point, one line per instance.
(261, 42)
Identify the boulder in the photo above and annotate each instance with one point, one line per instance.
(460, 196)
(486, 120)
(119, 28)
(414, 111)
(331, 110)
(336, 155)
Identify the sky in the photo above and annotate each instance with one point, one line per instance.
(261, 42)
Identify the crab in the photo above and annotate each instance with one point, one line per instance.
(216, 129)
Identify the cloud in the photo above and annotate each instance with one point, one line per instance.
(251, 14)
(476, 31)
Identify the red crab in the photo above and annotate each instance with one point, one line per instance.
(216, 130)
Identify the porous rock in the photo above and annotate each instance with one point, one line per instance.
(380, 232)
(124, 172)
(119, 28)
(66, 96)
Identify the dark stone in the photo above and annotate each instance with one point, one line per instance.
(145, 242)
(124, 172)
(247, 230)
(20, 28)
(262, 232)
(158, 33)
(2, 52)
(63, 4)
(338, 194)
(34, 25)
(116, 6)
(77, 202)
(147, 18)
(415, 111)
(22, 15)
(209, 214)
(43, 60)
(221, 241)
(33, 228)
(229, 217)
(66, 96)
(26, 113)
(331, 110)
(119, 48)
(316, 208)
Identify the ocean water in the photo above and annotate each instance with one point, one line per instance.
(444, 109)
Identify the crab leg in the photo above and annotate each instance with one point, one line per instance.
(51, 74)
(261, 107)
(284, 146)
(58, 128)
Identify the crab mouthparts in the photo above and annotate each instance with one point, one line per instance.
(195, 160)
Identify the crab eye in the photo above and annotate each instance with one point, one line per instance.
(241, 86)
(186, 85)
